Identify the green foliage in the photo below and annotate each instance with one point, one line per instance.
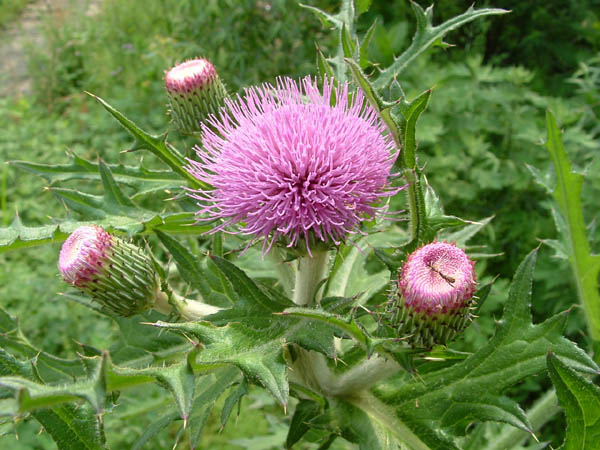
(477, 128)
(581, 401)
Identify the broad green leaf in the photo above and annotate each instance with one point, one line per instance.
(567, 193)
(516, 352)
(156, 144)
(142, 180)
(427, 35)
(580, 399)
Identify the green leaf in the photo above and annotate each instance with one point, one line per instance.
(156, 144)
(581, 401)
(306, 411)
(235, 398)
(143, 181)
(427, 35)
(343, 22)
(196, 274)
(586, 267)
(411, 111)
(258, 352)
(441, 398)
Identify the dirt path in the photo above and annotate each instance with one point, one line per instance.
(27, 29)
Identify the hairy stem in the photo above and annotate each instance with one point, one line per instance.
(311, 271)
(188, 309)
(284, 269)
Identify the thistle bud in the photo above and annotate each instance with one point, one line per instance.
(116, 274)
(195, 91)
(434, 296)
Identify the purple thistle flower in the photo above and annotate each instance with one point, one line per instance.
(437, 278)
(113, 272)
(286, 163)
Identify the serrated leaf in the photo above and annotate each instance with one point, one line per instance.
(580, 399)
(257, 352)
(427, 35)
(142, 180)
(586, 267)
(345, 18)
(411, 111)
(516, 352)
(233, 399)
(156, 144)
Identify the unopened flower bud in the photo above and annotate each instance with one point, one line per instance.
(195, 91)
(118, 275)
(435, 295)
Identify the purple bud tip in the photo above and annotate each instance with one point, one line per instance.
(437, 278)
(83, 254)
(190, 75)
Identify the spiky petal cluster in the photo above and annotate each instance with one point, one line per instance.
(195, 91)
(115, 273)
(435, 291)
(286, 163)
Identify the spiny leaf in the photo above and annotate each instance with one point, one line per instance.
(142, 180)
(426, 35)
(581, 401)
(257, 352)
(156, 144)
(306, 411)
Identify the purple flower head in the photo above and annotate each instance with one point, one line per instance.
(189, 76)
(286, 163)
(83, 254)
(438, 278)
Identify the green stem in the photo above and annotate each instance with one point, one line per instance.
(284, 269)
(188, 309)
(413, 202)
(540, 413)
(381, 413)
(311, 271)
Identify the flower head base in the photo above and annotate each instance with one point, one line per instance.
(286, 164)
(195, 91)
(113, 272)
(435, 291)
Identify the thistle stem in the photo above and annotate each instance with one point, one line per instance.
(311, 271)
(188, 309)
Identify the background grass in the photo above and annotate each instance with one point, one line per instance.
(485, 123)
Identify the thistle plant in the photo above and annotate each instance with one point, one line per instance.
(303, 253)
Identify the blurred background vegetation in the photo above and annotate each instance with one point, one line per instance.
(483, 127)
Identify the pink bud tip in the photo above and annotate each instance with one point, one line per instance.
(190, 75)
(83, 254)
(437, 278)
